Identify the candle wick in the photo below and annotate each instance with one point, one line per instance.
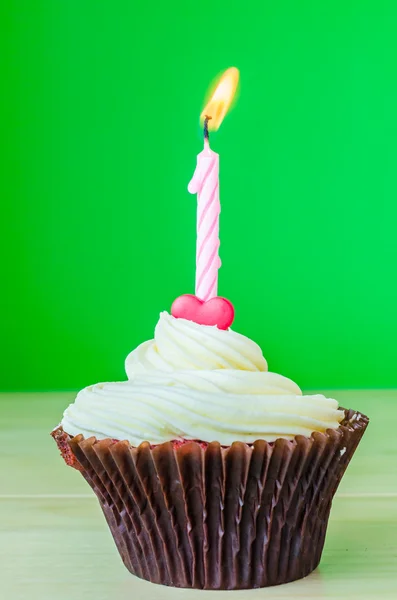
(206, 132)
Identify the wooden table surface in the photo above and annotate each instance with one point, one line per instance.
(54, 542)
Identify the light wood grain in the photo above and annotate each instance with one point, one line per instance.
(54, 541)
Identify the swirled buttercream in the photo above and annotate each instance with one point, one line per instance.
(198, 382)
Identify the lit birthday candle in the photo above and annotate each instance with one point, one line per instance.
(205, 183)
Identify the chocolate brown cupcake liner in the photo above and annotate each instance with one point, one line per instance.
(245, 516)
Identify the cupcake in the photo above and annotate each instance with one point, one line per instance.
(211, 471)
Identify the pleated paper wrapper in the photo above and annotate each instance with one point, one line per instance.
(211, 517)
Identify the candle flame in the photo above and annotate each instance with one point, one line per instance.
(221, 99)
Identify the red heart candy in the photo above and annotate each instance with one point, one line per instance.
(217, 311)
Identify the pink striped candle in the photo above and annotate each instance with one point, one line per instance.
(205, 183)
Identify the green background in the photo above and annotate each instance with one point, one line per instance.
(100, 110)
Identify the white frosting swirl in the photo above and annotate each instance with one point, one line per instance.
(198, 382)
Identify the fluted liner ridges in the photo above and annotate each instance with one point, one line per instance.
(220, 518)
